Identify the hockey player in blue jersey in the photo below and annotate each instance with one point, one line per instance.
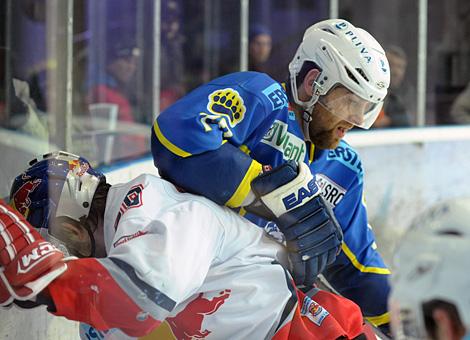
(217, 140)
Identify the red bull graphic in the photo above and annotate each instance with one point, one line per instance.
(21, 200)
(79, 167)
(187, 325)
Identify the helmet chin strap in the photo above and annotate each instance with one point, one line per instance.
(307, 113)
(307, 107)
(93, 243)
(306, 119)
(86, 225)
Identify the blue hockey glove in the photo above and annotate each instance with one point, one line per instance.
(289, 196)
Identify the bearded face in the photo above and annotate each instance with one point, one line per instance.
(326, 129)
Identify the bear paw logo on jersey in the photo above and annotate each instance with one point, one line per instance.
(227, 102)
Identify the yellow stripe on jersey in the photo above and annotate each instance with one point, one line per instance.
(311, 153)
(360, 266)
(379, 320)
(245, 185)
(245, 149)
(167, 144)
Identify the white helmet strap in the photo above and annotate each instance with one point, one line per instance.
(306, 119)
(307, 105)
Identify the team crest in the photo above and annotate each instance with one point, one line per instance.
(227, 103)
(133, 199)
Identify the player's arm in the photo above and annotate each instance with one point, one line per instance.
(34, 272)
(359, 267)
(143, 278)
(205, 152)
(289, 196)
(88, 292)
(222, 175)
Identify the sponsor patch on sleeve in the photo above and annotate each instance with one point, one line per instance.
(332, 192)
(290, 145)
(348, 157)
(276, 95)
(313, 311)
(127, 238)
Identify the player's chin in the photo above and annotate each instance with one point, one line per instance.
(326, 141)
(334, 142)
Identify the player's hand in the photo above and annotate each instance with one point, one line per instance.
(289, 196)
(28, 262)
(282, 189)
(313, 238)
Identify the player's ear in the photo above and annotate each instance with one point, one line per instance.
(75, 231)
(72, 234)
(309, 79)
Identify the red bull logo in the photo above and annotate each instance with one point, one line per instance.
(78, 167)
(21, 200)
(187, 325)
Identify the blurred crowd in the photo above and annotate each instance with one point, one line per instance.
(113, 61)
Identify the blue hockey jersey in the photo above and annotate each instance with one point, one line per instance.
(359, 272)
(215, 140)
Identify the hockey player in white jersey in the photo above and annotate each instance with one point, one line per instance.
(430, 281)
(141, 256)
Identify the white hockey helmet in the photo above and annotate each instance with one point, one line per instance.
(349, 57)
(431, 264)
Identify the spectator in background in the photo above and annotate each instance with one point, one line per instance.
(122, 56)
(172, 62)
(394, 112)
(260, 45)
(460, 109)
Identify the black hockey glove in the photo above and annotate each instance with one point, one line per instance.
(289, 196)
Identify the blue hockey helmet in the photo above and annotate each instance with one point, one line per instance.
(59, 184)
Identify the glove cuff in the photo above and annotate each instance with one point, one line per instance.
(292, 195)
(42, 282)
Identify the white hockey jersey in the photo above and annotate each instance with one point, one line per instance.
(179, 266)
(200, 266)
